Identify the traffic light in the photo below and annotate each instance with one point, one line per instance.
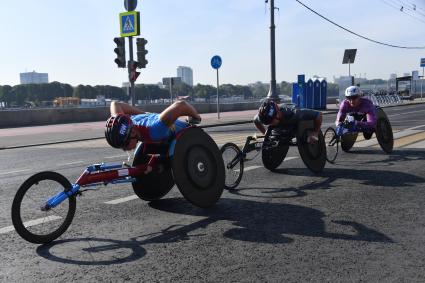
(120, 51)
(133, 75)
(141, 52)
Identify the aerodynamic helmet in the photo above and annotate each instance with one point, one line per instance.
(118, 130)
(267, 111)
(352, 91)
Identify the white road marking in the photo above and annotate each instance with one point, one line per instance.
(374, 141)
(404, 113)
(420, 144)
(31, 223)
(121, 200)
(15, 171)
(116, 156)
(249, 168)
(71, 163)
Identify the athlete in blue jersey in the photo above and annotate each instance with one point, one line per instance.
(128, 125)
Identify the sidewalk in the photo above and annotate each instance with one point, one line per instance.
(15, 137)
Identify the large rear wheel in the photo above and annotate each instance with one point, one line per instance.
(157, 183)
(313, 154)
(348, 140)
(274, 149)
(384, 135)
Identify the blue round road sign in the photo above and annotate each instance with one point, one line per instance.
(216, 62)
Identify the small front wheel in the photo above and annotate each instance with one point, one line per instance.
(31, 219)
(233, 165)
(332, 144)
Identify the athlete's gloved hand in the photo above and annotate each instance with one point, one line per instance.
(350, 119)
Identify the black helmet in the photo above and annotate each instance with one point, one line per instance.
(267, 112)
(118, 130)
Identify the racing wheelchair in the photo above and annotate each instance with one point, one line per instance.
(45, 204)
(274, 146)
(346, 134)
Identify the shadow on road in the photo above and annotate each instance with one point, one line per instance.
(252, 221)
(288, 192)
(397, 156)
(369, 177)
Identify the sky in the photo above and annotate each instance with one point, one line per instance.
(72, 41)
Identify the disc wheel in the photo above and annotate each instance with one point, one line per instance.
(348, 140)
(384, 135)
(198, 167)
(157, 183)
(37, 225)
(273, 155)
(233, 165)
(312, 154)
(332, 145)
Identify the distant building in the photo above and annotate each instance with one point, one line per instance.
(343, 82)
(186, 74)
(34, 78)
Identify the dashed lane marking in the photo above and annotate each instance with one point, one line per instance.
(31, 223)
(121, 200)
(12, 172)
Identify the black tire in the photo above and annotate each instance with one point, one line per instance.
(348, 140)
(313, 155)
(384, 135)
(332, 144)
(198, 167)
(272, 157)
(230, 151)
(21, 205)
(157, 183)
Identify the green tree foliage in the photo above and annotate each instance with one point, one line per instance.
(204, 91)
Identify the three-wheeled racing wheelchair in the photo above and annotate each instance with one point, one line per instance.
(191, 160)
(347, 133)
(274, 146)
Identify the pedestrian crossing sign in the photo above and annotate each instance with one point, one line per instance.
(130, 23)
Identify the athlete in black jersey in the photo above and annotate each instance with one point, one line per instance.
(270, 113)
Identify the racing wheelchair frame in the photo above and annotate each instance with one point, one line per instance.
(191, 160)
(346, 135)
(274, 146)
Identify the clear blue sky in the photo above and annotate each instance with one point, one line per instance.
(72, 40)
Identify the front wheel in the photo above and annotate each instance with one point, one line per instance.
(332, 144)
(233, 165)
(31, 220)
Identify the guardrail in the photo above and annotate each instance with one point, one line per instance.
(385, 99)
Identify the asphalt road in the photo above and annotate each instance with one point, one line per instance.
(359, 220)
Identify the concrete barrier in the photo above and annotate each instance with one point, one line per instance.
(48, 116)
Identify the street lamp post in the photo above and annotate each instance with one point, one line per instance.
(272, 91)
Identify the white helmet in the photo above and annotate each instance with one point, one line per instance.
(352, 91)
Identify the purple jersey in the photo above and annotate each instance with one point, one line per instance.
(365, 107)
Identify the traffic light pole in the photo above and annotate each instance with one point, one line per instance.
(130, 66)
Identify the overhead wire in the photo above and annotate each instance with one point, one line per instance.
(403, 7)
(356, 34)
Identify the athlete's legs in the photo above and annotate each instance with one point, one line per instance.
(176, 110)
